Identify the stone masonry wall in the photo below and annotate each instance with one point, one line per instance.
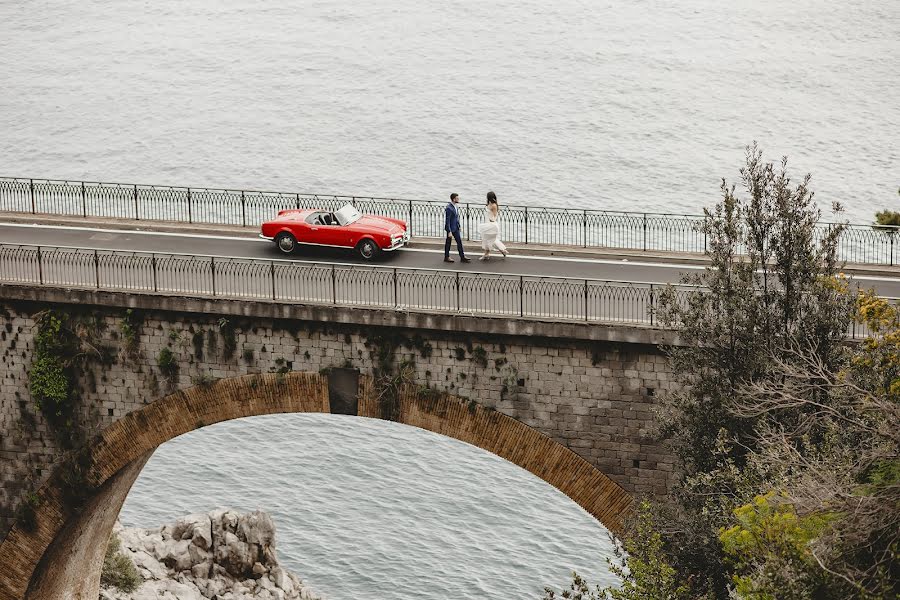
(593, 397)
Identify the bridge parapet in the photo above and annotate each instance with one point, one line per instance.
(641, 231)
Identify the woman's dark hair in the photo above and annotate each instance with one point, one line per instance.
(491, 198)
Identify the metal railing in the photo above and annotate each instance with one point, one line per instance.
(521, 224)
(418, 290)
(338, 284)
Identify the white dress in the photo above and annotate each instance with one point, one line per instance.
(490, 232)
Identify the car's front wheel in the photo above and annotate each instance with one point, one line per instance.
(367, 249)
(286, 242)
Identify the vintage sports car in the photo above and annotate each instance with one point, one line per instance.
(346, 228)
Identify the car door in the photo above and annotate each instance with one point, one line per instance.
(332, 235)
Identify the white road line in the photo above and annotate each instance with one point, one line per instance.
(517, 257)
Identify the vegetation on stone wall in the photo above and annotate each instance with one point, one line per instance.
(197, 340)
(168, 366)
(130, 327)
(229, 338)
(26, 514)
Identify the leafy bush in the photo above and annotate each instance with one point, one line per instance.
(648, 575)
(770, 546)
(168, 365)
(118, 569)
(49, 385)
(888, 217)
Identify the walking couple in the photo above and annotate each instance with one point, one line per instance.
(489, 229)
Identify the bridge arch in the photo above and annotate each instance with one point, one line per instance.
(48, 561)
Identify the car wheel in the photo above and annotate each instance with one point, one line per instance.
(367, 249)
(286, 242)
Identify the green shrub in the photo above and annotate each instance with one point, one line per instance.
(48, 383)
(130, 328)
(888, 217)
(118, 569)
(167, 363)
(479, 356)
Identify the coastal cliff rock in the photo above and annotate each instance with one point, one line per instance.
(222, 555)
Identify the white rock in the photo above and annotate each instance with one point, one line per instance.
(146, 563)
(281, 580)
(177, 556)
(223, 555)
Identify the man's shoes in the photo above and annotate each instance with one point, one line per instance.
(448, 259)
(465, 259)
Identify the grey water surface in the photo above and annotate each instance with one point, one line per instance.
(365, 508)
(641, 105)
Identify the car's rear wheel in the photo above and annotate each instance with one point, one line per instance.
(367, 249)
(286, 242)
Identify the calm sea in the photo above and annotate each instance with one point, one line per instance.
(640, 105)
(365, 508)
(633, 105)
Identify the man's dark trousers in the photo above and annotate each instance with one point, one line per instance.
(459, 245)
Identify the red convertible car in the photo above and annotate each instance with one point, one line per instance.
(346, 228)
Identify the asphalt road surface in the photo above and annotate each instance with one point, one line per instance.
(407, 258)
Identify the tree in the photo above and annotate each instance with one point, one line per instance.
(770, 282)
(841, 468)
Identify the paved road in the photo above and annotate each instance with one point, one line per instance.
(408, 258)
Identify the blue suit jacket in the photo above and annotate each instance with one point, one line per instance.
(451, 218)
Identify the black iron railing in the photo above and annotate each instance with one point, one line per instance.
(416, 290)
(422, 290)
(521, 224)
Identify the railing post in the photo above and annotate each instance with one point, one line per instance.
(155, 276)
(190, 208)
(83, 201)
(137, 216)
(645, 232)
(411, 229)
(458, 304)
(212, 271)
(333, 285)
(96, 269)
(526, 224)
(522, 295)
(891, 260)
(31, 187)
(585, 228)
(468, 225)
(396, 298)
(40, 267)
(652, 307)
(297, 201)
(272, 273)
(586, 313)
(243, 210)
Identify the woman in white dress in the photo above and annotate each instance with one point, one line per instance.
(490, 229)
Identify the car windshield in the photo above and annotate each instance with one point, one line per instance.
(348, 214)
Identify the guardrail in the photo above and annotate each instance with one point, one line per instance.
(425, 290)
(521, 224)
(338, 284)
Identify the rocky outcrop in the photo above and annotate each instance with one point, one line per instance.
(222, 555)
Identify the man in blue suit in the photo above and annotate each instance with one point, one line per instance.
(451, 226)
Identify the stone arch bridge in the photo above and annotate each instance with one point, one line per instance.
(570, 403)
